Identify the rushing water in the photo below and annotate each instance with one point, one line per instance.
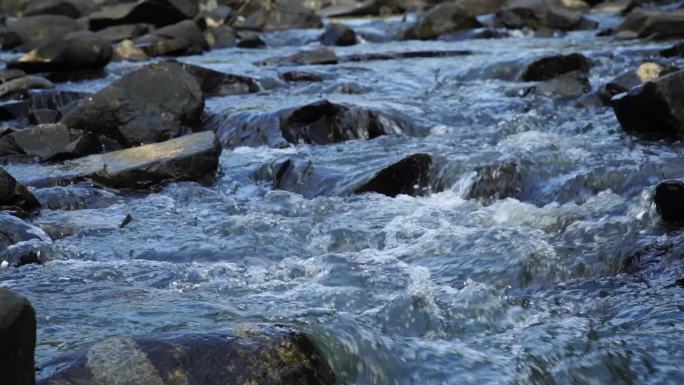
(427, 290)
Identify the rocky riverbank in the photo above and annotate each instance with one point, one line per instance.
(305, 170)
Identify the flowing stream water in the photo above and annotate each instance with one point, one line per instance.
(435, 289)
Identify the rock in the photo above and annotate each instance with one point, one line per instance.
(21, 243)
(338, 34)
(301, 76)
(569, 85)
(407, 175)
(14, 195)
(481, 7)
(366, 57)
(52, 142)
(351, 8)
(191, 157)
(59, 224)
(23, 84)
(314, 56)
(53, 7)
(17, 338)
(220, 37)
(78, 196)
(160, 13)
(273, 15)
(267, 354)
(539, 14)
(118, 33)
(497, 181)
(81, 50)
(442, 19)
(669, 200)
(648, 71)
(550, 67)
(215, 83)
(321, 122)
(11, 74)
(653, 24)
(126, 50)
(676, 50)
(655, 108)
(152, 104)
(250, 40)
(30, 32)
(184, 38)
(39, 100)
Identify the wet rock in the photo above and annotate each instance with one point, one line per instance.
(444, 18)
(550, 67)
(23, 84)
(250, 40)
(497, 181)
(28, 33)
(52, 142)
(338, 34)
(191, 157)
(308, 57)
(17, 338)
(407, 175)
(267, 354)
(21, 243)
(273, 15)
(669, 200)
(402, 55)
(351, 8)
(676, 50)
(648, 71)
(220, 37)
(14, 195)
(118, 33)
(655, 108)
(653, 24)
(160, 13)
(301, 76)
(11, 74)
(568, 85)
(152, 104)
(20, 111)
(53, 7)
(180, 39)
(126, 50)
(59, 224)
(481, 7)
(81, 50)
(215, 83)
(539, 14)
(78, 196)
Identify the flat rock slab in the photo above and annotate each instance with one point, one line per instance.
(265, 355)
(190, 157)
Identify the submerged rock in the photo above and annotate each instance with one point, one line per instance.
(191, 157)
(322, 122)
(669, 200)
(407, 175)
(14, 195)
(301, 76)
(180, 39)
(157, 12)
(497, 181)
(30, 32)
(307, 57)
(17, 339)
(22, 243)
(655, 24)
(249, 355)
(273, 15)
(152, 104)
(442, 19)
(654, 108)
(338, 34)
(76, 51)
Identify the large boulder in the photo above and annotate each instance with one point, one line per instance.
(81, 50)
(669, 200)
(30, 32)
(541, 14)
(17, 339)
(183, 38)
(14, 195)
(157, 12)
(273, 15)
(655, 108)
(654, 24)
(152, 104)
(391, 176)
(191, 157)
(267, 355)
(442, 19)
(322, 122)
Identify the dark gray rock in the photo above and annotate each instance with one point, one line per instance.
(351, 8)
(676, 50)
(273, 15)
(550, 67)
(17, 339)
(539, 15)
(14, 195)
(381, 56)
(30, 32)
(117, 33)
(645, 72)
(308, 57)
(568, 85)
(655, 108)
(77, 196)
(215, 83)
(183, 38)
(53, 7)
(152, 104)
(220, 37)
(52, 142)
(654, 24)
(338, 34)
(21, 111)
(496, 181)
(669, 200)
(191, 157)
(81, 50)
(301, 76)
(21, 85)
(22, 243)
(442, 19)
(268, 355)
(157, 12)
(250, 39)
